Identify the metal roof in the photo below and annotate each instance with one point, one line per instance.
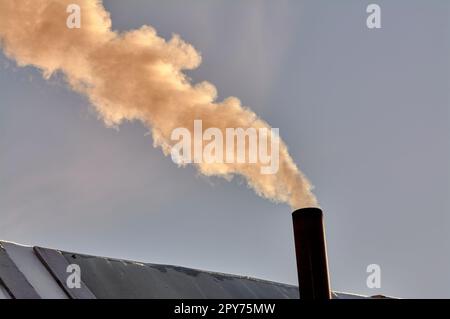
(36, 272)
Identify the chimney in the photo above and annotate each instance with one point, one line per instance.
(311, 253)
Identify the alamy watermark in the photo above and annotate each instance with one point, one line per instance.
(74, 279)
(74, 19)
(374, 279)
(374, 19)
(248, 145)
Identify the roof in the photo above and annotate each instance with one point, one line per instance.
(37, 272)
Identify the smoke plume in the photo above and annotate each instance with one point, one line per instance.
(138, 75)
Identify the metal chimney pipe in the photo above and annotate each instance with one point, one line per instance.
(311, 253)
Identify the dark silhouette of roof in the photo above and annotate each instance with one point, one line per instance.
(36, 272)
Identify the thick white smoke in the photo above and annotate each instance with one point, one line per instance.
(138, 75)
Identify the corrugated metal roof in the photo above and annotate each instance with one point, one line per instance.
(36, 272)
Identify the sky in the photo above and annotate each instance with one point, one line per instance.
(365, 113)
